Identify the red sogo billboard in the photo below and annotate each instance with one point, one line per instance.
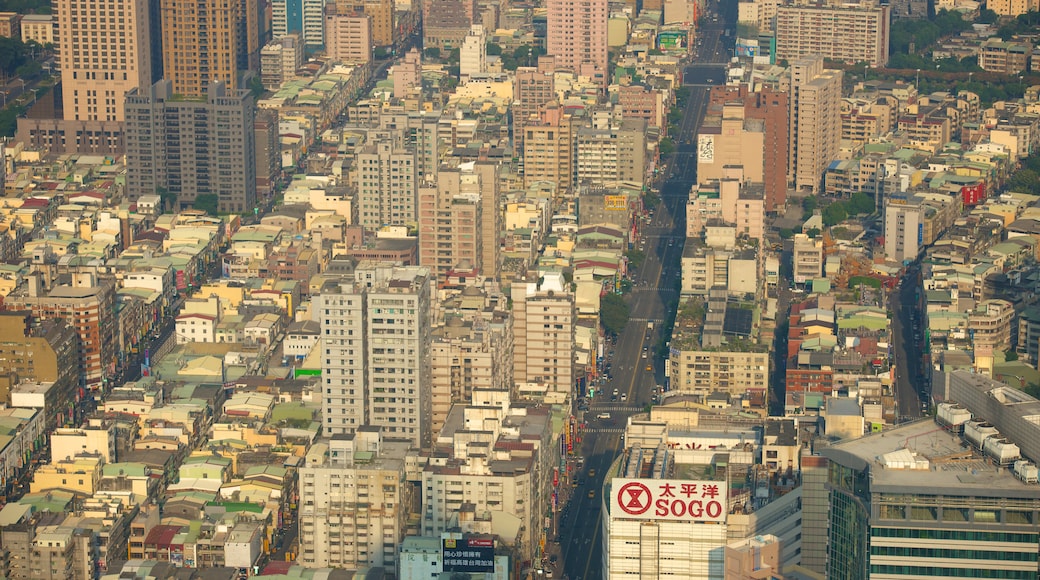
(668, 499)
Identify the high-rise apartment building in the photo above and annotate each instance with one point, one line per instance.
(305, 17)
(102, 62)
(348, 37)
(543, 329)
(381, 13)
(815, 120)
(473, 54)
(192, 147)
(491, 219)
(386, 185)
(200, 42)
(354, 501)
(376, 344)
(46, 352)
(532, 89)
(549, 148)
(576, 35)
(450, 222)
(835, 30)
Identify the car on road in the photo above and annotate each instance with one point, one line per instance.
(644, 354)
(592, 473)
(649, 367)
(624, 397)
(592, 493)
(603, 416)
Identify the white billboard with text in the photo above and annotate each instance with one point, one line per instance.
(668, 499)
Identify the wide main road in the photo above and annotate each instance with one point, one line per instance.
(909, 383)
(655, 291)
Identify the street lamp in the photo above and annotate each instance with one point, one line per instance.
(918, 85)
(4, 93)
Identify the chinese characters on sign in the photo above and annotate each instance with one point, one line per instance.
(706, 148)
(468, 555)
(668, 499)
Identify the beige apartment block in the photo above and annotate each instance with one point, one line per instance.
(450, 222)
(348, 37)
(1012, 7)
(702, 372)
(354, 501)
(990, 324)
(549, 148)
(807, 258)
(543, 326)
(386, 185)
(576, 34)
(38, 28)
(834, 30)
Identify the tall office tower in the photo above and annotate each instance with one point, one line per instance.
(924, 500)
(576, 35)
(543, 330)
(549, 148)
(386, 185)
(200, 44)
(835, 30)
(815, 120)
(491, 220)
(192, 148)
(376, 343)
(772, 108)
(532, 89)
(252, 33)
(380, 11)
(450, 222)
(306, 17)
(102, 62)
(354, 501)
(473, 54)
(348, 37)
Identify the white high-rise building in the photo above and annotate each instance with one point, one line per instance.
(473, 54)
(353, 513)
(376, 352)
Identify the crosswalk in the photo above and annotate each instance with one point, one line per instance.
(646, 319)
(602, 430)
(615, 408)
(652, 289)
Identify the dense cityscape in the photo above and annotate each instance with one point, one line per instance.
(503, 290)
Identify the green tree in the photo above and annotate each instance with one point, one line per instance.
(987, 16)
(834, 214)
(207, 202)
(635, 258)
(494, 49)
(860, 203)
(432, 52)
(809, 205)
(613, 313)
(666, 147)
(813, 233)
(256, 86)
